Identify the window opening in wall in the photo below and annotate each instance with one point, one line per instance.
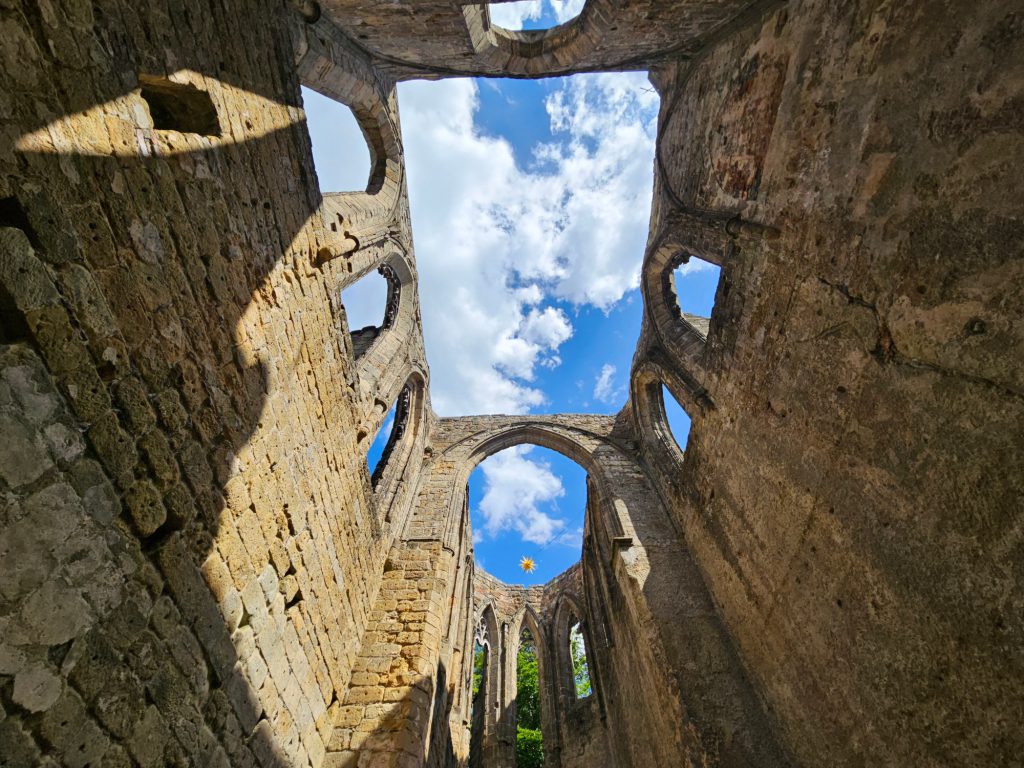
(479, 667)
(13, 215)
(13, 325)
(529, 740)
(341, 155)
(696, 283)
(533, 14)
(389, 435)
(578, 656)
(179, 106)
(677, 418)
(478, 690)
(527, 502)
(366, 308)
(376, 453)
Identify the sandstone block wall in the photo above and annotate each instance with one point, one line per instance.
(851, 487)
(196, 565)
(573, 729)
(187, 424)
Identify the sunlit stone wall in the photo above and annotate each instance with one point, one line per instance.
(190, 545)
(196, 567)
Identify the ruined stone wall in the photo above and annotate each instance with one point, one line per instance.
(439, 38)
(851, 486)
(190, 541)
(197, 567)
(573, 730)
(677, 666)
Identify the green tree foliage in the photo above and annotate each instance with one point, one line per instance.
(529, 749)
(479, 664)
(528, 686)
(580, 670)
(529, 744)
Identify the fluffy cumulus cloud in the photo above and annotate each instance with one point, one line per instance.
(514, 15)
(497, 244)
(515, 488)
(566, 9)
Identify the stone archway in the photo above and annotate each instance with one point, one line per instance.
(485, 701)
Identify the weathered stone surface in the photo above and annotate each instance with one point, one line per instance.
(36, 688)
(23, 456)
(197, 567)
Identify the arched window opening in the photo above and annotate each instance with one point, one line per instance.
(677, 418)
(695, 282)
(529, 740)
(525, 15)
(479, 668)
(578, 656)
(371, 305)
(478, 692)
(341, 156)
(388, 436)
(527, 507)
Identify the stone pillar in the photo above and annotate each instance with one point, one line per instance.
(398, 682)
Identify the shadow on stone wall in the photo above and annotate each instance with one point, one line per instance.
(149, 267)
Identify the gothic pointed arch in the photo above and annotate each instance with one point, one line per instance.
(568, 615)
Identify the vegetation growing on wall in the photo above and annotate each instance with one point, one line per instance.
(479, 664)
(529, 746)
(580, 670)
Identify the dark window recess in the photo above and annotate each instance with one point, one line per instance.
(397, 431)
(179, 107)
(13, 327)
(394, 294)
(13, 215)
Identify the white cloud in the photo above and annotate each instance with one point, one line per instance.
(604, 386)
(512, 15)
(389, 422)
(497, 243)
(514, 488)
(573, 538)
(695, 265)
(539, 331)
(566, 9)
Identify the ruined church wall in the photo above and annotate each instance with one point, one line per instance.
(573, 730)
(668, 687)
(851, 486)
(190, 543)
(666, 674)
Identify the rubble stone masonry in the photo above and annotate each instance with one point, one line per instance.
(197, 566)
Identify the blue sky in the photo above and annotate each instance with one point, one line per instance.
(534, 14)
(530, 204)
